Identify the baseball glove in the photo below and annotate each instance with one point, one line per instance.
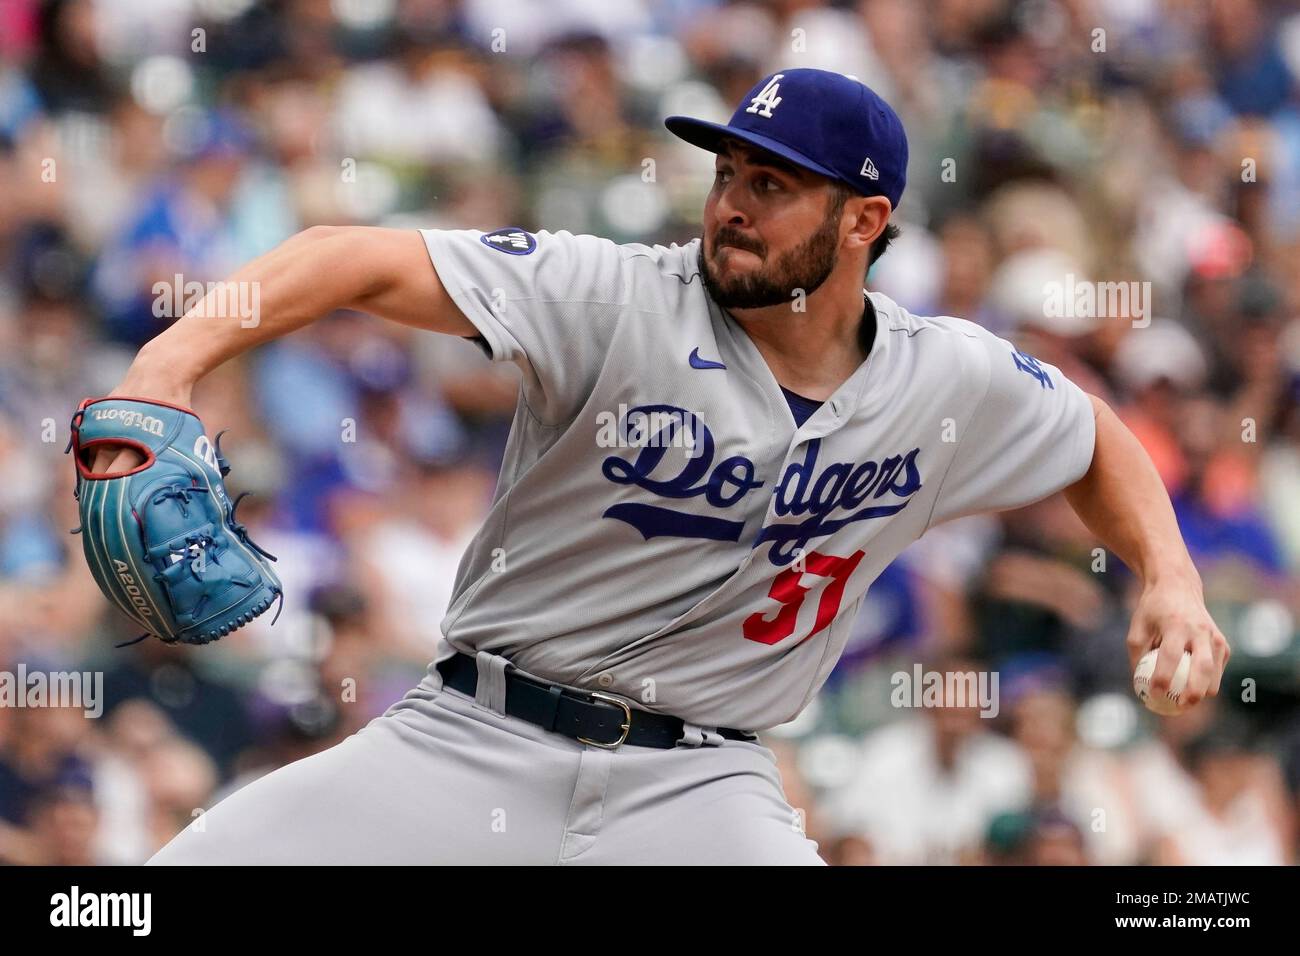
(161, 539)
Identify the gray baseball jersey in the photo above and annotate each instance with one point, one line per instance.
(663, 529)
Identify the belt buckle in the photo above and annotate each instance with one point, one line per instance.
(626, 727)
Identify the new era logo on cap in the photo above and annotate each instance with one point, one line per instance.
(825, 122)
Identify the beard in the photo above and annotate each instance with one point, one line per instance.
(805, 267)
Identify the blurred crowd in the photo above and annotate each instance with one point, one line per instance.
(1154, 142)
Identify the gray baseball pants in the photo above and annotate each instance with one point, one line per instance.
(444, 778)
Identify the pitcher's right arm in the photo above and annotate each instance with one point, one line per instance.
(385, 272)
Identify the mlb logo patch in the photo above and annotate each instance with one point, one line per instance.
(510, 240)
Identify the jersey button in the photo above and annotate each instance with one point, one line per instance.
(605, 680)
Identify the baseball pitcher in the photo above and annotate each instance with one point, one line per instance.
(717, 448)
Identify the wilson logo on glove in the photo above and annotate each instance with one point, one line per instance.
(161, 539)
(130, 418)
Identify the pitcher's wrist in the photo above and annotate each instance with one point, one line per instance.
(154, 374)
(1169, 571)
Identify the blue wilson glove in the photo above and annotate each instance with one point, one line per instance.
(161, 540)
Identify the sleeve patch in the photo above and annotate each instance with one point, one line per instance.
(1031, 366)
(510, 240)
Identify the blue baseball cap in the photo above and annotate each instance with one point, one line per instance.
(824, 122)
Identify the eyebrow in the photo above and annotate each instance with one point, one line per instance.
(762, 158)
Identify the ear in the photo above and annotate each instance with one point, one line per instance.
(869, 216)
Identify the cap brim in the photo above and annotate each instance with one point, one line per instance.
(709, 136)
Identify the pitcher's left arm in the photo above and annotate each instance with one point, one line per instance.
(1123, 501)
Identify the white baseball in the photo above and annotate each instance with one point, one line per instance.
(1171, 703)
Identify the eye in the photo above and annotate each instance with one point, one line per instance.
(768, 184)
(722, 176)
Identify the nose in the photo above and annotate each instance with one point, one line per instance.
(726, 211)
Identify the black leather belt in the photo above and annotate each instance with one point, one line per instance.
(602, 720)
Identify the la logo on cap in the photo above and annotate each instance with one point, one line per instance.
(766, 100)
(869, 169)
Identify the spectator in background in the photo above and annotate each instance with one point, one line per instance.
(1041, 838)
(1280, 469)
(212, 214)
(64, 823)
(207, 711)
(1159, 370)
(1210, 800)
(967, 259)
(45, 785)
(410, 556)
(422, 105)
(1082, 807)
(1220, 523)
(68, 71)
(927, 786)
(179, 779)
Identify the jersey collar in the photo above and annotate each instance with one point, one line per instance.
(854, 395)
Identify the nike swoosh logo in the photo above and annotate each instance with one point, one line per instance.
(697, 362)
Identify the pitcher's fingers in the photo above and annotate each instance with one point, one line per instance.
(115, 459)
(1139, 640)
(1174, 639)
(126, 459)
(1201, 676)
(1222, 652)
